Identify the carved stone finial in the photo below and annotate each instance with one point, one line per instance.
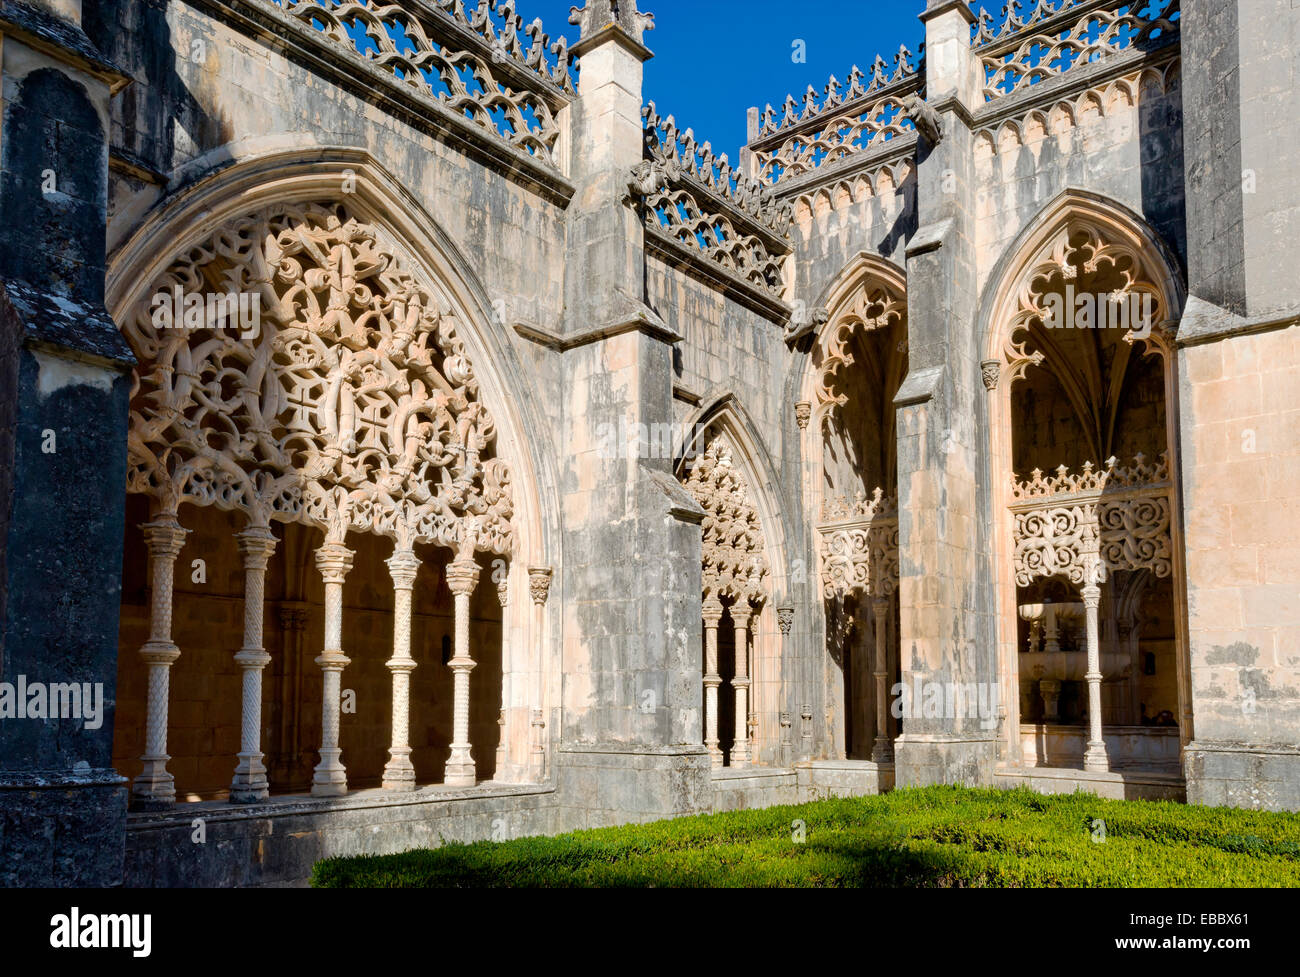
(802, 414)
(991, 371)
(596, 15)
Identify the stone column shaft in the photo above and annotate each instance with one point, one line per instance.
(333, 560)
(155, 788)
(256, 545)
(462, 576)
(1094, 758)
(712, 611)
(539, 588)
(399, 774)
(882, 751)
(740, 748)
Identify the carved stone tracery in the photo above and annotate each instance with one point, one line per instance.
(348, 404)
(735, 560)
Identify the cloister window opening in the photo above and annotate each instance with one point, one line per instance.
(859, 362)
(334, 462)
(1091, 502)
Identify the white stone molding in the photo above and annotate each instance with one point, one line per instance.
(256, 545)
(539, 588)
(155, 787)
(399, 773)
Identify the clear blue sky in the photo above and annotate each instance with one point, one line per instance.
(713, 59)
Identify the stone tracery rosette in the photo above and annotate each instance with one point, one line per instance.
(735, 560)
(350, 405)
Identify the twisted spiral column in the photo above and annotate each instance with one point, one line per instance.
(740, 748)
(155, 788)
(333, 561)
(539, 587)
(712, 612)
(462, 576)
(399, 773)
(256, 544)
(883, 749)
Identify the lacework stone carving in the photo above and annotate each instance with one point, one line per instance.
(1082, 249)
(350, 406)
(1055, 37)
(862, 127)
(735, 560)
(859, 546)
(677, 155)
(1082, 525)
(870, 307)
(457, 58)
(906, 67)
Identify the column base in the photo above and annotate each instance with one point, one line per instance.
(459, 771)
(399, 774)
(249, 784)
(715, 754)
(330, 778)
(882, 751)
(1094, 757)
(155, 788)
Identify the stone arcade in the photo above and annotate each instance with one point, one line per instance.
(888, 504)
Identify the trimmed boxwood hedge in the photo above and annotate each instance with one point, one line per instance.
(919, 837)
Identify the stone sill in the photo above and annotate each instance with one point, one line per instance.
(1099, 776)
(749, 773)
(290, 805)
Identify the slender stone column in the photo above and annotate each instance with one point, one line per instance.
(399, 774)
(155, 789)
(882, 751)
(507, 670)
(256, 544)
(462, 576)
(539, 587)
(333, 560)
(1094, 758)
(740, 615)
(712, 610)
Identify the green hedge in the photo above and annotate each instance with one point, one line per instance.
(933, 836)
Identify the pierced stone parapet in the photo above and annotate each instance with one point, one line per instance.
(486, 67)
(859, 545)
(1057, 36)
(1082, 525)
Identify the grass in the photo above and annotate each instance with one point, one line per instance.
(919, 837)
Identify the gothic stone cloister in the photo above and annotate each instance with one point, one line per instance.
(419, 435)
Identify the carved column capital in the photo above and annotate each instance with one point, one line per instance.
(334, 561)
(462, 577)
(403, 566)
(539, 584)
(802, 414)
(164, 536)
(990, 373)
(711, 611)
(785, 620)
(256, 546)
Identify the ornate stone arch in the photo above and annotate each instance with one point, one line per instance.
(404, 323)
(855, 526)
(1083, 238)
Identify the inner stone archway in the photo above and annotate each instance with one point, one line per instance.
(1084, 429)
(294, 371)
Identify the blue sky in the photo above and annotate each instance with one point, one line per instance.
(714, 59)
